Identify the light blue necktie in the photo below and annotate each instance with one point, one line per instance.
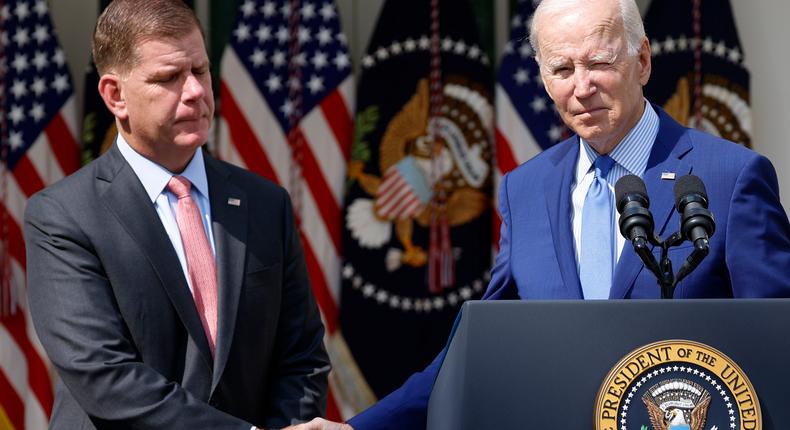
(596, 258)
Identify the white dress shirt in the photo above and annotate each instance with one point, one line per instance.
(630, 157)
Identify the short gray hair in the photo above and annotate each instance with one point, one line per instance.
(632, 23)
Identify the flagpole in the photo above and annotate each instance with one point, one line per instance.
(696, 16)
(440, 257)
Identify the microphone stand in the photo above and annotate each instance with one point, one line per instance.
(667, 281)
(662, 269)
(636, 225)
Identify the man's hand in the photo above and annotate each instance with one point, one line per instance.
(320, 424)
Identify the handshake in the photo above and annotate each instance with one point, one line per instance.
(319, 424)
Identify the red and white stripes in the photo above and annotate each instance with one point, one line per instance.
(26, 393)
(251, 137)
(514, 145)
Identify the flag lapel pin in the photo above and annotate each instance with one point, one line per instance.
(234, 201)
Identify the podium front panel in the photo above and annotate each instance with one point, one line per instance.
(539, 364)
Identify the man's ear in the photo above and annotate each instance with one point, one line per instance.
(111, 91)
(645, 65)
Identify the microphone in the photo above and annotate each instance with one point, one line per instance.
(696, 221)
(636, 221)
(691, 200)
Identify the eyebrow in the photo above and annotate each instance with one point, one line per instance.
(605, 56)
(169, 67)
(555, 63)
(601, 56)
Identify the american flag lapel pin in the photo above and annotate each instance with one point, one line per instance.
(234, 201)
(668, 176)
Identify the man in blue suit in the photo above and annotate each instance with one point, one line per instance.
(594, 60)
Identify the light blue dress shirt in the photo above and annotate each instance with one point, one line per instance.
(155, 178)
(630, 156)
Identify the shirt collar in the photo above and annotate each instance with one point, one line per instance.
(633, 151)
(155, 177)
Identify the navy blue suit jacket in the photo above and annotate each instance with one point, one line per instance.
(749, 252)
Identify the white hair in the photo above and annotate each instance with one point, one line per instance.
(632, 23)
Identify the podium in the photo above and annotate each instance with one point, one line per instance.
(540, 364)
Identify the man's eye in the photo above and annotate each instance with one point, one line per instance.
(166, 78)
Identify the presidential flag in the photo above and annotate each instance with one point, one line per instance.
(526, 120)
(286, 97)
(39, 146)
(699, 76)
(98, 123)
(417, 220)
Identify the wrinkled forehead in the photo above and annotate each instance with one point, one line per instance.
(583, 31)
(593, 48)
(155, 51)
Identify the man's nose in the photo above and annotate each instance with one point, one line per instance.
(193, 88)
(583, 86)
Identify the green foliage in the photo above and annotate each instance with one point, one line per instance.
(88, 137)
(365, 123)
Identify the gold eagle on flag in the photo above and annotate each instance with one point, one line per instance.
(413, 170)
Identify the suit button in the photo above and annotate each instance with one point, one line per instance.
(214, 403)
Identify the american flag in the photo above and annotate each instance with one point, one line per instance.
(39, 146)
(286, 96)
(527, 122)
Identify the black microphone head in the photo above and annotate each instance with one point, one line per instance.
(629, 185)
(691, 201)
(686, 185)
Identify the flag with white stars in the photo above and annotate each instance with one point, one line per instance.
(527, 121)
(699, 75)
(38, 147)
(286, 95)
(423, 150)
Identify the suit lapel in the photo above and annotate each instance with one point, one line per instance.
(671, 145)
(229, 225)
(558, 183)
(126, 198)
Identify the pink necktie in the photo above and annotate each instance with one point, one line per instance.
(200, 260)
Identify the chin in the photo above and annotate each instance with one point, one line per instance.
(589, 133)
(594, 136)
(192, 140)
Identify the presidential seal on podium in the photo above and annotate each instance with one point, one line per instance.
(677, 385)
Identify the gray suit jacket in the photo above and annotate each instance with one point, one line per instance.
(116, 317)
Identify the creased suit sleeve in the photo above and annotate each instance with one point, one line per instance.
(758, 234)
(502, 285)
(404, 408)
(78, 321)
(300, 371)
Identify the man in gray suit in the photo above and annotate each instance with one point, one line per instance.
(168, 288)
